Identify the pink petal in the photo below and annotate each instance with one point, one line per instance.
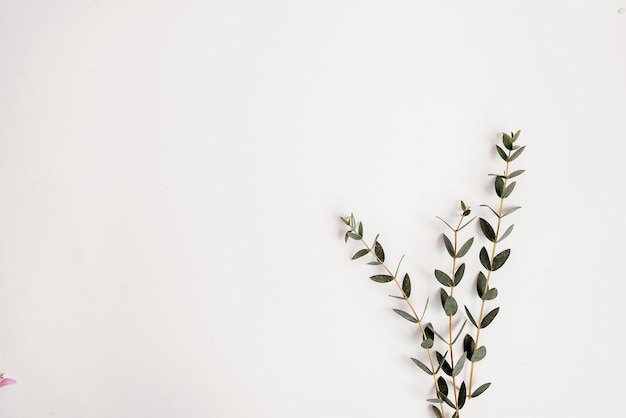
(7, 381)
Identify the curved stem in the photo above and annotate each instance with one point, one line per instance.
(419, 320)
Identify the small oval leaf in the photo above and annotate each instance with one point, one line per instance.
(450, 307)
(481, 284)
(517, 153)
(491, 294)
(406, 316)
(502, 153)
(480, 389)
(448, 244)
(465, 247)
(443, 385)
(484, 258)
(500, 259)
(462, 395)
(488, 319)
(508, 190)
(487, 229)
(443, 278)
(360, 253)
(479, 354)
(406, 285)
(458, 366)
(422, 366)
(459, 274)
(381, 278)
(378, 250)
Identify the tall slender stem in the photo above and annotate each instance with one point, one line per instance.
(493, 254)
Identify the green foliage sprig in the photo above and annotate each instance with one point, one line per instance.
(444, 357)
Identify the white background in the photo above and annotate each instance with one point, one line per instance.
(172, 172)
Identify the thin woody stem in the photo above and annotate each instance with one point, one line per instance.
(419, 320)
(493, 254)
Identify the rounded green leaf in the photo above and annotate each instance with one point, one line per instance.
(378, 250)
(489, 318)
(406, 315)
(360, 229)
(507, 141)
(479, 354)
(450, 307)
(458, 366)
(354, 236)
(443, 278)
(381, 278)
(481, 284)
(406, 285)
(465, 247)
(517, 153)
(484, 258)
(508, 190)
(427, 344)
(360, 254)
(499, 186)
(462, 395)
(443, 385)
(502, 153)
(436, 411)
(515, 173)
(490, 294)
(469, 345)
(448, 244)
(500, 259)
(487, 229)
(480, 389)
(422, 366)
(458, 275)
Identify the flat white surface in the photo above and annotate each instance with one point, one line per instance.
(171, 173)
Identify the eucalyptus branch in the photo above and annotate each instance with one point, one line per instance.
(492, 260)
(376, 251)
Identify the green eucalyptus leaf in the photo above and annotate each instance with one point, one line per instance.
(378, 250)
(354, 236)
(481, 284)
(434, 400)
(449, 246)
(352, 220)
(506, 233)
(397, 297)
(459, 274)
(479, 354)
(430, 326)
(360, 228)
(465, 247)
(507, 141)
(502, 153)
(484, 258)
(436, 411)
(443, 278)
(509, 189)
(444, 296)
(489, 318)
(406, 285)
(345, 238)
(374, 263)
(499, 186)
(480, 389)
(360, 254)
(468, 345)
(500, 259)
(406, 316)
(517, 153)
(459, 333)
(450, 307)
(516, 173)
(381, 278)
(429, 332)
(446, 400)
(422, 366)
(458, 366)
(490, 294)
(487, 229)
(470, 317)
(516, 135)
(443, 363)
(427, 344)
(462, 395)
(443, 385)
(510, 210)
(344, 220)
